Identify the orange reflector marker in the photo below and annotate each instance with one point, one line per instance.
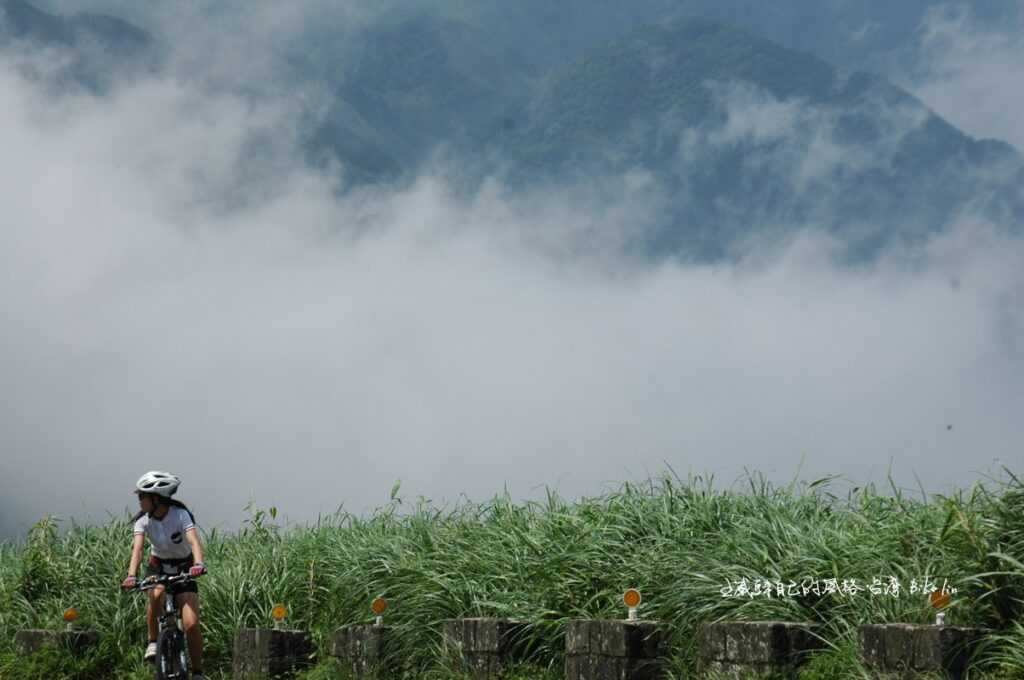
(70, 614)
(278, 612)
(378, 607)
(631, 598)
(939, 599)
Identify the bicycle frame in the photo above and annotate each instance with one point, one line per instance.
(170, 638)
(171, 617)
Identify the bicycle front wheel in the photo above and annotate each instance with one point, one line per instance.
(171, 656)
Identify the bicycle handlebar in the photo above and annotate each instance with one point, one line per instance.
(151, 582)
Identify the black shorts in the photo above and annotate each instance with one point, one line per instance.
(168, 567)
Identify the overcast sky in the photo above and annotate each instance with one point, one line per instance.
(167, 305)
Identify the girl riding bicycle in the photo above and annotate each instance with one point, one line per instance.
(171, 530)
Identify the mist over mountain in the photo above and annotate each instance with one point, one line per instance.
(729, 134)
(411, 86)
(866, 35)
(88, 49)
(740, 134)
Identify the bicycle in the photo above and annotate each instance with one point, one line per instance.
(172, 660)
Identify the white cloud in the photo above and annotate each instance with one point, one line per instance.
(753, 115)
(795, 156)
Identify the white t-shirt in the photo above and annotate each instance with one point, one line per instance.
(167, 535)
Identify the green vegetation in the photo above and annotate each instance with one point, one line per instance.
(679, 541)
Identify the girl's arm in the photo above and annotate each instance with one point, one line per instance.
(137, 542)
(192, 536)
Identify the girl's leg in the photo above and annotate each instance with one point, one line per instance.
(153, 607)
(189, 605)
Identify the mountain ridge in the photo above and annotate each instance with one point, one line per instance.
(637, 102)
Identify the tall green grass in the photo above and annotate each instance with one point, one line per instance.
(549, 561)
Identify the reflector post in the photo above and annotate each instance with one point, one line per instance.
(378, 607)
(631, 598)
(939, 600)
(70, 614)
(279, 612)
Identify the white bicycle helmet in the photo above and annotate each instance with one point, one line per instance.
(161, 483)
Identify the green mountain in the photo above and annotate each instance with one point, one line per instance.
(743, 134)
(410, 86)
(866, 34)
(739, 134)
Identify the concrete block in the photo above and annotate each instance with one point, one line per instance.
(363, 651)
(485, 647)
(265, 654)
(758, 648)
(613, 650)
(910, 649)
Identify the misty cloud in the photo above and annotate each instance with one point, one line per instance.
(971, 72)
(796, 140)
(180, 291)
(787, 164)
(250, 46)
